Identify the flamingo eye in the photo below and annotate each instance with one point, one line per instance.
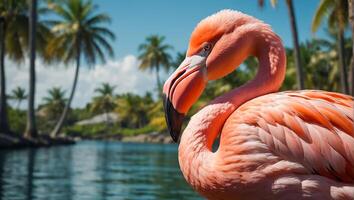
(207, 47)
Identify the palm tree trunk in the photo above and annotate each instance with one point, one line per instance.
(299, 71)
(343, 69)
(107, 118)
(351, 20)
(18, 105)
(4, 126)
(158, 82)
(31, 129)
(61, 121)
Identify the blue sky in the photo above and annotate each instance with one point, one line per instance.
(133, 20)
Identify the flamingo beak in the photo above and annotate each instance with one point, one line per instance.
(174, 119)
(181, 90)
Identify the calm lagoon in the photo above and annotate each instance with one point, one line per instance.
(93, 170)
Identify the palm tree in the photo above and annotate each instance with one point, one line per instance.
(105, 89)
(12, 17)
(179, 59)
(4, 127)
(105, 101)
(79, 33)
(31, 128)
(19, 95)
(14, 37)
(55, 102)
(153, 55)
(133, 110)
(296, 52)
(324, 66)
(336, 12)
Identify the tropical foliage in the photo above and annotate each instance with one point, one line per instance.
(14, 42)
(53, 104)
(154, 54)
(104, 102)
(18, 94)
(133, 109)
(178, 60)
(79, 33)
(336, 13)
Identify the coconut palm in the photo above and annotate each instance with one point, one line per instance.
(154, 55)
(54, 103)
(79, 34)
(179, 59)
(31, 128)
(336, 13)
(105, 101)
(133, 110)
(105, 89)
(12, 17)
(14, 37)
(323, 65)
(296, 52)
(19, 95)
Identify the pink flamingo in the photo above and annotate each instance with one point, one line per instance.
(285, 145)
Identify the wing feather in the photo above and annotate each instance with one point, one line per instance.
(313, 128)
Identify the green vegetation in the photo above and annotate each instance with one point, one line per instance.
(96, 130)
(18, 94)
(54, 104)
(105, 102)
(336, 12)
(14, 42)
(78, 32)
(154, 54)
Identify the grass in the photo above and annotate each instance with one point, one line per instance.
(17, 121)
(104, 129)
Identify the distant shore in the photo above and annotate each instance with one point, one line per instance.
(8, 141)
(154, 137)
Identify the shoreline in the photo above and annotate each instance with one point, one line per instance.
(154, 137)
(8, 141)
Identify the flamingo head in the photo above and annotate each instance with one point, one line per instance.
(211, 55)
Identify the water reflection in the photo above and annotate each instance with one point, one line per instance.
(93, 170)
(2, 162)
(30, 167)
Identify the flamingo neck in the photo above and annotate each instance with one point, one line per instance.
(195, 150)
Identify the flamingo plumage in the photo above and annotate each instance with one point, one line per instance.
(285, 145)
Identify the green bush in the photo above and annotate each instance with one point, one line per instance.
(104, 129)
(17, 121)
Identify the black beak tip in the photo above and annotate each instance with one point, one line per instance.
(174, 119)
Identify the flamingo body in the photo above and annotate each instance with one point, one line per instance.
(285, 145)
(275, 147)
(312, 128)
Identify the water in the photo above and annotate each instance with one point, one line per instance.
(93, 171)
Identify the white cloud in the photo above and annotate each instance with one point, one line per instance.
(123, 73)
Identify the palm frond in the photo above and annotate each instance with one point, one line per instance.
(273, 3)
(321, 13)
(103, 31)
(80, 26)
(98, 19)
(61, 11)
(104, 43)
